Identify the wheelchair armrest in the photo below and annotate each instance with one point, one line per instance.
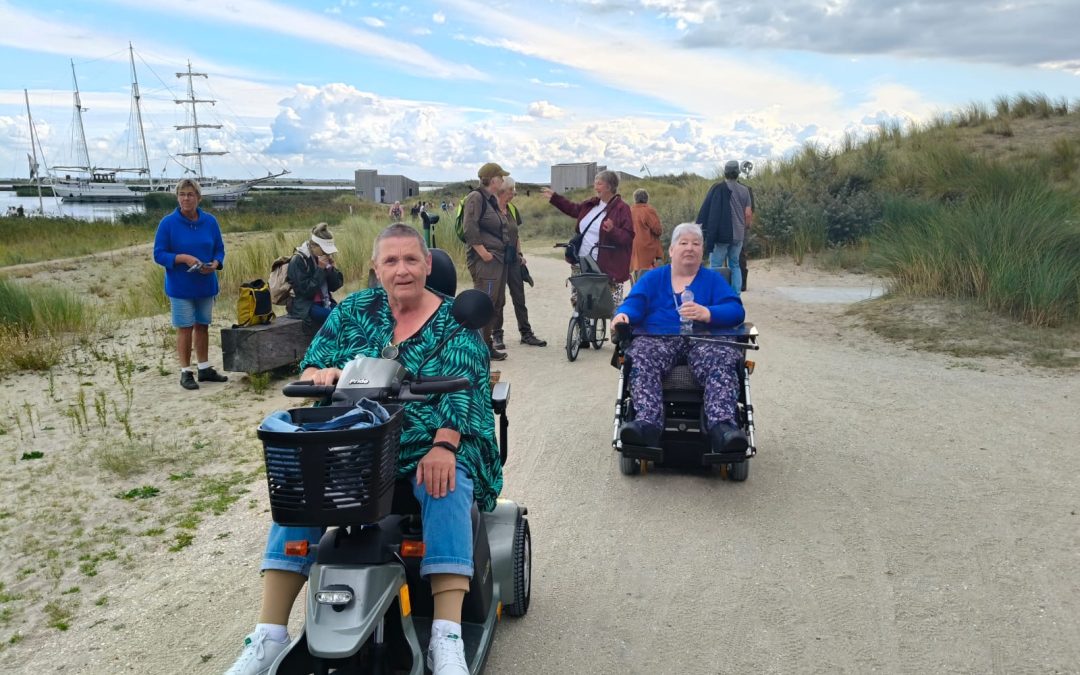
(621, 334)
(499, 395)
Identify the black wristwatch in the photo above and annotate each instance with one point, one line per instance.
(445, 444)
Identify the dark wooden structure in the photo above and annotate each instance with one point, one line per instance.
(257, 349)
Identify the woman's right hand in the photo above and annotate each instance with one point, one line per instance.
(484, 254)
(619, 318)
(321, 376)
(548, 193)
(187, 260)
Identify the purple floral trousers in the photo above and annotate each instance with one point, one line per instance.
(713, 365)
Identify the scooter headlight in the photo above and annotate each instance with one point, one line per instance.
(337, 597)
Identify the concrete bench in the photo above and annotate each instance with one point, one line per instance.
(257, 349)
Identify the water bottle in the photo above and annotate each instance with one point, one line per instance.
(686, 326)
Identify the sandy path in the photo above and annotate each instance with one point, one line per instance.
(907, 513)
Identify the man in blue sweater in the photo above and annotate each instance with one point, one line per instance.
(656, 309)
(188, 245)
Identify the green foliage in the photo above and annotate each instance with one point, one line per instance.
(144, 492)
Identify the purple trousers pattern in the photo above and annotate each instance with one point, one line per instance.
(713, 365)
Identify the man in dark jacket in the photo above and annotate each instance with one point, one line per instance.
(725, 216)
(313, 277)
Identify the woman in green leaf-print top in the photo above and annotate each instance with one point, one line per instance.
(448, 448)
(363, 324)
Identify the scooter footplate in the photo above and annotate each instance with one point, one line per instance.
(472, 633)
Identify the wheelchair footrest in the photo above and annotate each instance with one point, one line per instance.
(710, 458)
(643, 452)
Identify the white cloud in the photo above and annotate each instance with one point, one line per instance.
(438, 17)
(281, 19)
(374, 22)
(545, 110)
(554, 85)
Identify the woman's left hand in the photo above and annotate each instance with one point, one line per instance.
(608, 225)
(694, 311)
(209, 267)
(437, 471)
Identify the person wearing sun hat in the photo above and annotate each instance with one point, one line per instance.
(314, 277)
(486, 241)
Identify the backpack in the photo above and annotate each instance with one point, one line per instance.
(280, 287)
(459, 226)
(253, 305)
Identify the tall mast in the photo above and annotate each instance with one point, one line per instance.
(80, 146)
(33, 149)
(195, 126)
(136, 97)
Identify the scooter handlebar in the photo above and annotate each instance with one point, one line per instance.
(439, 385)
(305, 389)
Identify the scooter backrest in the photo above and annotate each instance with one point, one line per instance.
(443, 277)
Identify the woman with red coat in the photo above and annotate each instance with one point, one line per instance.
(605, 220)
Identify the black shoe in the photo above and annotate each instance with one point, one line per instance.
(187, 380)
(211, 375)
(640, 434)
(495, 354)
(728, 438)
(497, 343)
(533, 341)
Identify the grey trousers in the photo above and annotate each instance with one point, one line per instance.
(516, 286)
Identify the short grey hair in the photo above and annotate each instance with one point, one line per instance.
(683, 229)
(508, 184)
(611, 178)
(189, 183)
(641, 196)
(399, 231)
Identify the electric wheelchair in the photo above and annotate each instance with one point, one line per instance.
(684, 441)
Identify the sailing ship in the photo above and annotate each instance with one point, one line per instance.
(96, 184)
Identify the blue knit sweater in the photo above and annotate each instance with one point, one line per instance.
(176, 234)
(653, 308)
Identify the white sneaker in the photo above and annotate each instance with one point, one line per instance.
(258, 655)
(446, 656)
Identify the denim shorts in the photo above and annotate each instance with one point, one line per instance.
(448, 539)
(186, 312)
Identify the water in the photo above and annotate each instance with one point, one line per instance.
(686, 326)
(56, 208)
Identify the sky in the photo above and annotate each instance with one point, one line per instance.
(432, 90)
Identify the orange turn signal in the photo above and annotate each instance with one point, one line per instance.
(299, 548)
(750, 367)
(412, 549)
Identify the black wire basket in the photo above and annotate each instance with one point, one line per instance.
(324, 478)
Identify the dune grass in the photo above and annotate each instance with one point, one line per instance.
(34, 321)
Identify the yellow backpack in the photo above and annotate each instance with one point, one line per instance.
(253, 305)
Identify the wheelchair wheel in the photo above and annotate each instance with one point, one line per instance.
(573, 338)
(598, 334)
(628, 466)
(738, 471)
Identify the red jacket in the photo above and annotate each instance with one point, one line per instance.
(614, 262)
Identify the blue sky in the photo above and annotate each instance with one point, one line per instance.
(434, 89)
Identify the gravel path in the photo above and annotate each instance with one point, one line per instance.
(907, 513)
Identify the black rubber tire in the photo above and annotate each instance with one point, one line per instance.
(598, 334)
(522, 562)
(628, 466)
(573, 338)
(738, 471)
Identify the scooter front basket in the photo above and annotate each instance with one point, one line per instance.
(325, 478)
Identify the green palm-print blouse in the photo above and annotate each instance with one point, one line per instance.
(362, 324)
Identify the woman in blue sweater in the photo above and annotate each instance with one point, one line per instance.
(188, 245)
(655, 306)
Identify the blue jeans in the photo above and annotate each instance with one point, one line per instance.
(448, 534)
(728, 253)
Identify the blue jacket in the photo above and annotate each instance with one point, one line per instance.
(201, 238)
(651, 304)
